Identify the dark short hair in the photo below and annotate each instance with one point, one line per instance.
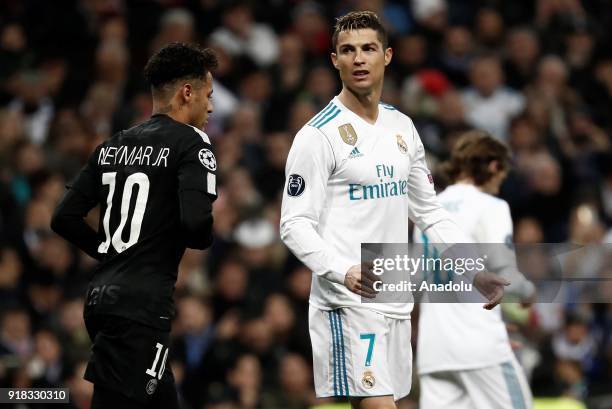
(357, 20)
(178, 61)
(472, 154)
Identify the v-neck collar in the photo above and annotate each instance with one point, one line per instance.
(337, 101)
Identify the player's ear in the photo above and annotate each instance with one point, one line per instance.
(388, 55)
(334, 59)
(186, 92)
(493, 166)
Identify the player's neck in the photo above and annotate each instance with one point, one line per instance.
(466, 181)
(365, 106)
(168, 109)
(486, 188)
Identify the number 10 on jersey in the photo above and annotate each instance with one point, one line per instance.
(142, 181)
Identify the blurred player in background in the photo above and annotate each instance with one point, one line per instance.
(464, 357)
(155, 184)
(349, 175)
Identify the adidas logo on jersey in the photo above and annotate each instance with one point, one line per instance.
(355, 153)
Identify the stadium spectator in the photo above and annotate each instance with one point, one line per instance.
(489, 104)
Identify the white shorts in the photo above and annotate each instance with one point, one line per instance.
(502, 386)
(358, 352)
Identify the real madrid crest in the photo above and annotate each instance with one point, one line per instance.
(368, 381)
(401, 145)
(348, 134)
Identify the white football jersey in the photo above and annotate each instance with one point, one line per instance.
(466, 336)
(348, 182)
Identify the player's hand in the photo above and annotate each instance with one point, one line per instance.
(360, 280)
(491, 286)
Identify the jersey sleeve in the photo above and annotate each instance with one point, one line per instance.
(309, 165)
(88, 182)
(495, 229)
(197, 189)
(82, 195)
(197, 168)
(428, 214)
(425, 210)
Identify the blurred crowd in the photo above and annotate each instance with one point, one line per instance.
(536, 74)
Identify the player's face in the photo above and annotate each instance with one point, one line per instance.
(361, 59)
(201, 104)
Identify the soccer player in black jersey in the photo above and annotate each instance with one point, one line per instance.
(155, 184)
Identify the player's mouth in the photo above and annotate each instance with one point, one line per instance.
(360, 74)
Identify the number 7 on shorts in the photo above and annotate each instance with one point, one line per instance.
(370, 337)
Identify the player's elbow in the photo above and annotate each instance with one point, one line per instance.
(293, 230)
(285, 230)
(196, 219)
(198, 231)
(59, 221)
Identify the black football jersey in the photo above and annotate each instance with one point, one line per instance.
(136, 177)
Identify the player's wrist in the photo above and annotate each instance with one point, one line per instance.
(338, 271)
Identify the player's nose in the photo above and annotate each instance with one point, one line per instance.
(358, 58)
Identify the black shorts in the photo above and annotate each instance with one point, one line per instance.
(128, 359)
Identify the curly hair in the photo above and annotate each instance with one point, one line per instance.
(471, 156)
(178, 61)
(357, 20)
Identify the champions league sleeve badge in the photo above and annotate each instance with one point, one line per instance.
(207, 159)
(401, 144)
(295, 185)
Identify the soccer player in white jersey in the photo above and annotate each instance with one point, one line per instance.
(350, 174)
(464, 358)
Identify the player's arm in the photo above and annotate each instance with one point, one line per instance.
(310, 162)
(425, 210)
(197, 190)
(69, 217)
(496, 227)
(433, 220)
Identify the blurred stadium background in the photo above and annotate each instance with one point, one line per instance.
(537, 74)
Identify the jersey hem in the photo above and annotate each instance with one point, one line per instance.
(357, 396)
(335, 307)
(143, 322)
(458, 368)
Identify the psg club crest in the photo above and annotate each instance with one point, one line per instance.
(401, 145)
(207, 159)
(348, 134)
(295, 185)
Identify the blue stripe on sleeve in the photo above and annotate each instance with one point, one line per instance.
(329, 118)
(322, 113)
